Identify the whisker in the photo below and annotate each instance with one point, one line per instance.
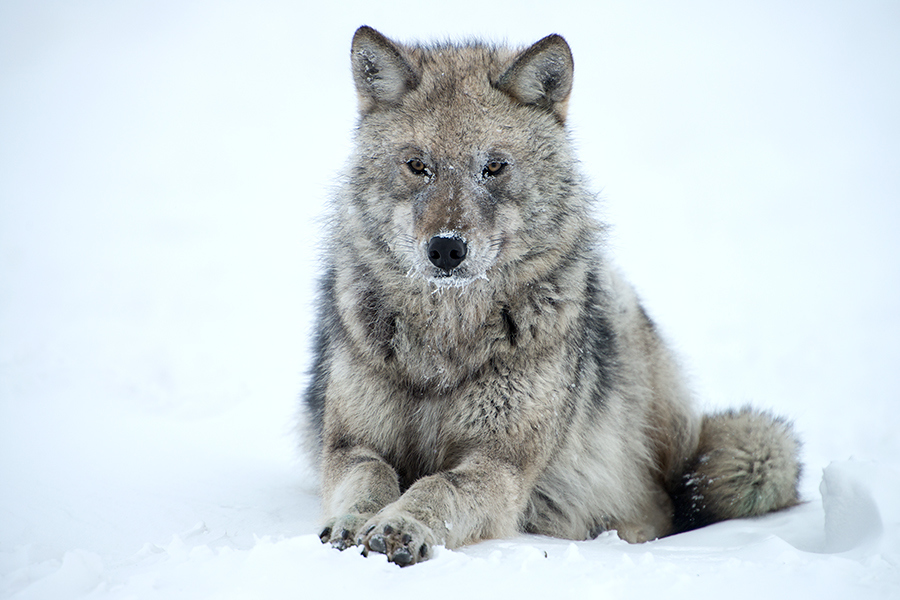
(404, 241)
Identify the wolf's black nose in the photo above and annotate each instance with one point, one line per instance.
(446, 252)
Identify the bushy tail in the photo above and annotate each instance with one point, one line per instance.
(746, 465)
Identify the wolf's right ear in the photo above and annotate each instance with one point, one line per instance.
(381, 73)
(542, 75)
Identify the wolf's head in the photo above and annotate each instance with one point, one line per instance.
(462, 168)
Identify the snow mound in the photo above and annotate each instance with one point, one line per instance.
(853, 519)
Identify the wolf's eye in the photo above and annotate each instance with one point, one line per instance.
(417, 166)
(495, 167)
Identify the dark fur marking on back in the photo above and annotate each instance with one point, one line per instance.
(599, 340)
(330, 328)
(512, 330)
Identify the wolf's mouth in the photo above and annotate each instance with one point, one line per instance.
(454, 278)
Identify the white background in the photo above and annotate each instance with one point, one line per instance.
(164, 169)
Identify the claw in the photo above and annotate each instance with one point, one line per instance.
(362, 536)
(325, 535)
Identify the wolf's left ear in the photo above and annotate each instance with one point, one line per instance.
(542, 75)
(381, 73)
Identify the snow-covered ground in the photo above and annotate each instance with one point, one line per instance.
(162, 167)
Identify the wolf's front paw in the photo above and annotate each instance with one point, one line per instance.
(342, 532)
(404, 541)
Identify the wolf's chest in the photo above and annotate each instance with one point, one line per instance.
(427, 440)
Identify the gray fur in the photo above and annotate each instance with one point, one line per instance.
(524, 389)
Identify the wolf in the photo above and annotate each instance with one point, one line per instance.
(480, 368)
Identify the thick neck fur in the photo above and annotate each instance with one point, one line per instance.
(433, 337)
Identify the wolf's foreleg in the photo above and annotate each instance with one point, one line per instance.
(480, 499)
(360, 483)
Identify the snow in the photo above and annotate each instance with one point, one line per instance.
(162, 169)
